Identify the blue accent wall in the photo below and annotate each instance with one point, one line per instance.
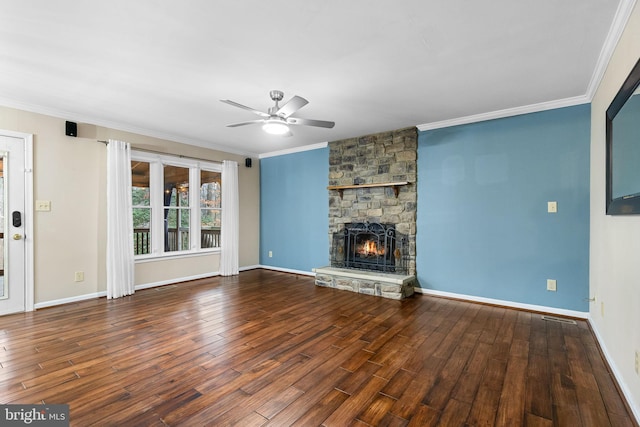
(294, 210)
(482, 224)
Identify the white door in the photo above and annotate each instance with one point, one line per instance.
(13, 225)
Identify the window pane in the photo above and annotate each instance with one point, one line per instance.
(210, 202)
(176, 238)
(210, 189)
(210, 218)
(140, 183)
(141, 201)
(176, 186)
(141, 231)
(209, 228)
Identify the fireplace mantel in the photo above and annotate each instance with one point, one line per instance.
(395, 185)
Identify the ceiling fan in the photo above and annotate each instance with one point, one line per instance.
(278, 118)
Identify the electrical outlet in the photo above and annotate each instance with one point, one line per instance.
(551, 285)
(270, 254)
(43, 205)
(79, 276)
(637, 362)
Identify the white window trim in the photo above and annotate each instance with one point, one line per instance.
(156, 163)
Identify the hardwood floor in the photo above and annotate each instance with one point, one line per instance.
(269, 348)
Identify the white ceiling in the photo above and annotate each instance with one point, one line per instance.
(160, 67)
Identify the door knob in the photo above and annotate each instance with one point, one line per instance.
(17, 236)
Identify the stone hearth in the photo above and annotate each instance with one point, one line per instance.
(393, 286)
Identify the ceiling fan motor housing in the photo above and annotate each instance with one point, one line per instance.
(276, 95)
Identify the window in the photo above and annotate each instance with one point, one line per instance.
(176, 205)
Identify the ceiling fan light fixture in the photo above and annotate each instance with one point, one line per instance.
(275, 127)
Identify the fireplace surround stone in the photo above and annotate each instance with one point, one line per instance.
(356, 164)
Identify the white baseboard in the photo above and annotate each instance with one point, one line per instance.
(177, 280)
(70, 300)
(529, 307)
(137, 288)
(287, 270)
(104, 293)
(614, 370)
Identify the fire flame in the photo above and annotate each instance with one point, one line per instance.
(370, 248)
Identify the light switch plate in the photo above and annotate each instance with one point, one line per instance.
(552, 207)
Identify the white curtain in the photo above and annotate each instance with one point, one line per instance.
(229, 233)
(119, 221)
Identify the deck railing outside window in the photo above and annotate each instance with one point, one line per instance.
(209, 238)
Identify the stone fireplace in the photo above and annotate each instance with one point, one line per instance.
(372, 214)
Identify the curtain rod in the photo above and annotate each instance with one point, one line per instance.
(146, 150)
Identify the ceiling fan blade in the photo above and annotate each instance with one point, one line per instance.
(293, 105)
(309, 122)
(244, 107)
(235, 125)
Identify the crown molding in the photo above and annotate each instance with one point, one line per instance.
(625, 8)
(67, 115)
(499, 114)
(294, 150)
(620, 19)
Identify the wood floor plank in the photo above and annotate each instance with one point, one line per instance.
(271, 348)
(455, 413)
(311, 401)
(485, 406)
(374, 413)
(278, 402)
(352, 382)
(322, 410)
(532, 420)
(424, 416)
(512, 399)
(356, 403)
(414, 392)
(397, 384)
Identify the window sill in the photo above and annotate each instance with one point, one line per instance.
(141, 259)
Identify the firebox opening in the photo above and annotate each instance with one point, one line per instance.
(370, 246)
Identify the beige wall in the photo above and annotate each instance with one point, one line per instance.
(615, 240)
(71, 173)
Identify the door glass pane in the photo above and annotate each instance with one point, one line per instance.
(141, 202)
(210, 203)
(3, 283)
